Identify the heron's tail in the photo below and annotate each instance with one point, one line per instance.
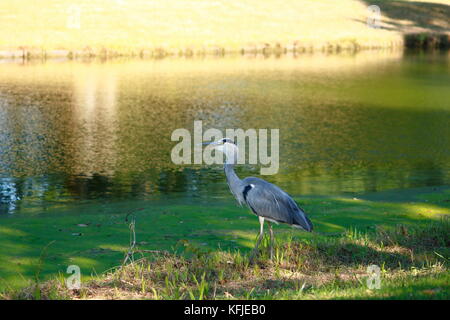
(302, 221)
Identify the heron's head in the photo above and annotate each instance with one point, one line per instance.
(227, 147)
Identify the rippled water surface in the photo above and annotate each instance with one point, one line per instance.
(73, 133)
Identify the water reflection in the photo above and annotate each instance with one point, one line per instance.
(74, 132)
(95, 116)
(9, 196)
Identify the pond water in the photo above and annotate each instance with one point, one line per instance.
(77, 132)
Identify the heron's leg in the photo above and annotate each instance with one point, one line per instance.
(271, 239)
(260, 237)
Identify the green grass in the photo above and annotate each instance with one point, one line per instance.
(413, 265)
(404, 232)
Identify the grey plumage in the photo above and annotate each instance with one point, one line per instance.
(267, 200)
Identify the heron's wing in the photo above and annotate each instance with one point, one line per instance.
(269, 201)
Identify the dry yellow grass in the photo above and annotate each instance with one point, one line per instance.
(133, 26)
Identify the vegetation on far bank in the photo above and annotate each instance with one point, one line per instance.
(157, 28)
(194, 254)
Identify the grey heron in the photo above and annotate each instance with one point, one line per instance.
(270, 203)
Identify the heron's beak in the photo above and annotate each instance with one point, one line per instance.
(208, 143)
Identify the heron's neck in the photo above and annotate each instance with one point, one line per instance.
(232, 178)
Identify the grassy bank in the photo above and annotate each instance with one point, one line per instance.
(413, 264)
(157, 28)
(194, 251)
